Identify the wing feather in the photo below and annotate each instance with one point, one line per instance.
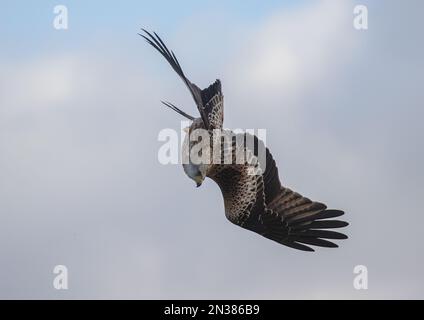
(209, 101)
(274, 211)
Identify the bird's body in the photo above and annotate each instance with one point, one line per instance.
(254, 197)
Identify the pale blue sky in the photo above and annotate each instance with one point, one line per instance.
(26, 25)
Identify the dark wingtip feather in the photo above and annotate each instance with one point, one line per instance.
(310, 229)
(329, 213)
(298, 246)
(156, 42)
(321, 224)
(317, 242)
(326, 234)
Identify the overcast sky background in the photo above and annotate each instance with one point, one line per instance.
(80, 183)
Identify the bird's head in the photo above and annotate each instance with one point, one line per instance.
(195, 172)
(196, 151)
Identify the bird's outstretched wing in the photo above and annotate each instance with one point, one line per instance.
(209, 101)
(261, 204)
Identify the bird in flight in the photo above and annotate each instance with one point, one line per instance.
(257, 202)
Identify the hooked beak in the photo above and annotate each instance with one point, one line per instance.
(199, 181)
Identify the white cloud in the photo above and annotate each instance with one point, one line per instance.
(41, 83)
(292, 50)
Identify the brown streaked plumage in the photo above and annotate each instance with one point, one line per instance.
(255, 202)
